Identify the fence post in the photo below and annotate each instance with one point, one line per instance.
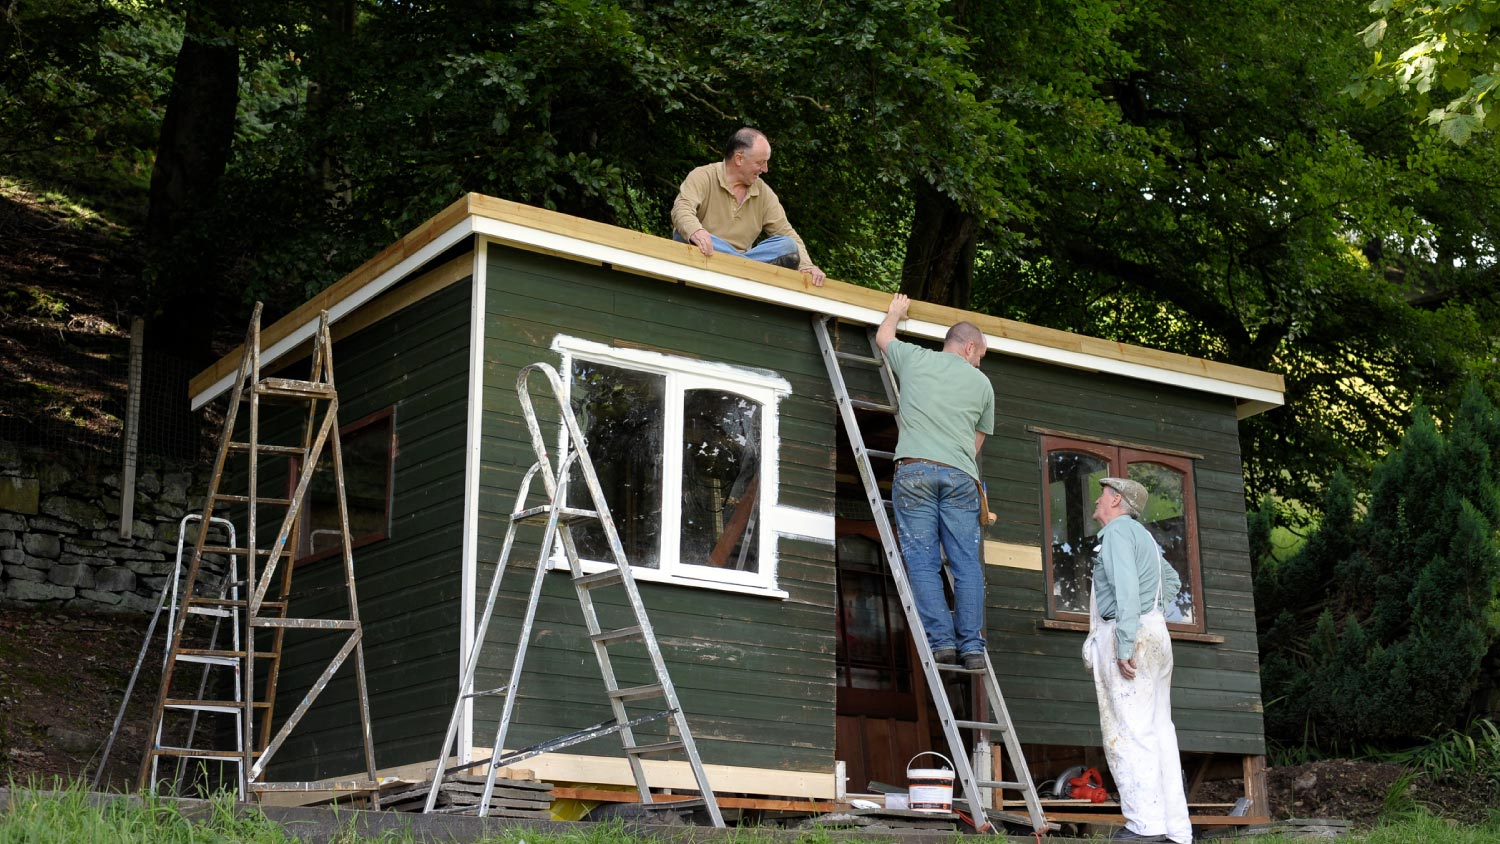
(132, 427)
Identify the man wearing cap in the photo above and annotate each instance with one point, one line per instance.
(947, 409)
(725, 207)
(1130, 653)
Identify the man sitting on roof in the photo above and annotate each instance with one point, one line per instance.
(725, 206)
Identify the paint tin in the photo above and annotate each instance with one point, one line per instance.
(931, 789)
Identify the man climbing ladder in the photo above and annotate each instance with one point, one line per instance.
(947, 409)
(994, 725)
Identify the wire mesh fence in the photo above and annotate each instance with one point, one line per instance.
(75, 395)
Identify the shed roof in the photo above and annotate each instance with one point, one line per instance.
(536, 229)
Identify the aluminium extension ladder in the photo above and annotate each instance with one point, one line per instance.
(973, 787)
(262, 608)
(559, 519)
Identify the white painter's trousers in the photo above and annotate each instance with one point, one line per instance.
(1140, 741)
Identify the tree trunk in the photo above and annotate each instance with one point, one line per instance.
(191, 156)
(939, 264)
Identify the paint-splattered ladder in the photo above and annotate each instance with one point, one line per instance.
(258, 605)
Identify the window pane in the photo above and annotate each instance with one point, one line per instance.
(872, 652)
(1166, 518)
(367, 471)
(620, 412)
(720, 480)
(1072, 485)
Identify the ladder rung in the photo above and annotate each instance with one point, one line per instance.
(980, 725)
(880, 407)
(674, 805)
(603, 578)
(1001, 784)
(212, 659)
(268, 449)
(220, 657)
(883, 455)
(498, 690)
(198, 753)
(244, 552)
(316, 785)
(654, 749)
(259, 499)
(566, 515)
(624, 634)
(230, 603)
(858, 358)
(293, 388)
(212, 611)
(305, 623)
(958, 669)
(638, 692)
(226, 706)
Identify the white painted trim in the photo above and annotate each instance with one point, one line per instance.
(682, 374)
(804, 524)
(469, 566)
(701, 277)
(347, 304)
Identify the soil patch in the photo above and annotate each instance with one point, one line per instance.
(62, 677)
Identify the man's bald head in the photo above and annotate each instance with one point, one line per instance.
(967, 341)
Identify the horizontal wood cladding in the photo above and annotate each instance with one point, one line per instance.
(1216, 687)
(755, 674)
(416, 360)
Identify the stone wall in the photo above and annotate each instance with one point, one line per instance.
(60, 544)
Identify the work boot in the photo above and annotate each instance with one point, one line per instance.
(946, 656)
(789, 261)
(974, 661)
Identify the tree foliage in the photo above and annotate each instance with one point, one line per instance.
(1444, 57)
(1377, 628)
(1182, 174)
(1221, 198)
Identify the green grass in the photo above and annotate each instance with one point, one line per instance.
(68, 816)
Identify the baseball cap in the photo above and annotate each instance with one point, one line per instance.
(1134, 494)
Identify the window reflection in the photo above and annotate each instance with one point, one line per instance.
(1166, 518)
(367, 454)
(871, 625)
(620, 412)
(720, 480)
(1072, 484)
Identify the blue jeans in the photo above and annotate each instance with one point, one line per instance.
(767, 251)
(937, 512)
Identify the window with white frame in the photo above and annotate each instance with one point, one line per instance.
(685, 453)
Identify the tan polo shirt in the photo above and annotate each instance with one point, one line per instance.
(705, 201)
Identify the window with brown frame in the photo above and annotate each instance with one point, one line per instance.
(368, 448)
(1072, 469)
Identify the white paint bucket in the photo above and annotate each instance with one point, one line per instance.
(930, 789)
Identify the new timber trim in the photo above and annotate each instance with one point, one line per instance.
(572, 238)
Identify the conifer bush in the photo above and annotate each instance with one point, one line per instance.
(1376, 630)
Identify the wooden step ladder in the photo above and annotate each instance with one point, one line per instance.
(257, 607)
(999, 723)
(558, 520)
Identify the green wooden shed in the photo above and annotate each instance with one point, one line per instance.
(710, 413)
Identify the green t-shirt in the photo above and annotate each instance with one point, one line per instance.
(944, 402)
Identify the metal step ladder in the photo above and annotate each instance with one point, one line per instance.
(974, 789)
(168, 601)
(558, 519)
(258, 605)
